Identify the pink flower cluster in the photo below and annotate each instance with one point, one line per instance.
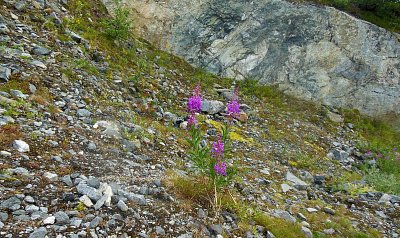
(194, 105)
(220, 168)
(233, 107)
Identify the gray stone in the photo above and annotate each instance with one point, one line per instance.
(297, 183)
(92, 193)
(285, 187)
(67, 180)
(110, 128)
(270, 235)
(49, 220)
(337, 118)
(395, 199)
(122, 206)
(201, 214)
(51, 176)
(96, 222)
(3, 216)
(329, 210)
(76, 222)
(61, 218)
(330, 231)
(22, 218)
(5, 73)
(140, 199)
(100, 202)
(55, 18)
(83, 113)
(86, 201)
(160, 231)
(39, 233)
(21, 146)
(91, 146)
(77, 38)
(39, 64)
(18, 94)
(12, 203)
(212, 106)
(68, 197)
(42, 3)
(381, 214)
(385, 198)
(306, 232)
(21, 5)
(301, 216)
(338, 155)
(29, 199)
(311, 210)
(1, 225)
(4, 120)
(216, 229)
(38, 50)
(20, 171)
(284, 215)
(93, 182)
(4, 29)
(31, 208)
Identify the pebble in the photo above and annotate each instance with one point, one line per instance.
(86, 201)
(51, 176)
(61, 218)
(307, 232)
(122, 206)
(21, 146)
(96, 222)
(49, 220)
(39, 233)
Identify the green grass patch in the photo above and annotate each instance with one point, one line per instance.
(384, 13)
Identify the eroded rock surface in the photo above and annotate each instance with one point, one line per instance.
(314, 53)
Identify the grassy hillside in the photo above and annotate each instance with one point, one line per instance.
(384, 13)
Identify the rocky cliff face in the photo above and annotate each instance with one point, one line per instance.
(311, 52)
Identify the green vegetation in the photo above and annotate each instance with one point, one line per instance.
(382, 181)
(384, 13)
(118, 27)
(197, 190)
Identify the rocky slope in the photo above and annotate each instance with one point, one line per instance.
(313, 53)
(92, 144)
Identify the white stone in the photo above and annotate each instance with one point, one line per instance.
(49, 220)
(86, 201)
(51, 176)
(21, 146)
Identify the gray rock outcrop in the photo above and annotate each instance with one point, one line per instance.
(311, 52)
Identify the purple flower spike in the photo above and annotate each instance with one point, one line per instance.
(192, 120)
(233, 107)
(220, 168)
(218, 149)
(195, 101)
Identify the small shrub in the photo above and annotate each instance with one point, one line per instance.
(118, 27)
(341, 4)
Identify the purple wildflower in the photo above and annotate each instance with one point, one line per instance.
(195, 101)
(192, 120)
(218, 149)
(233, 107)
(220, 168)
